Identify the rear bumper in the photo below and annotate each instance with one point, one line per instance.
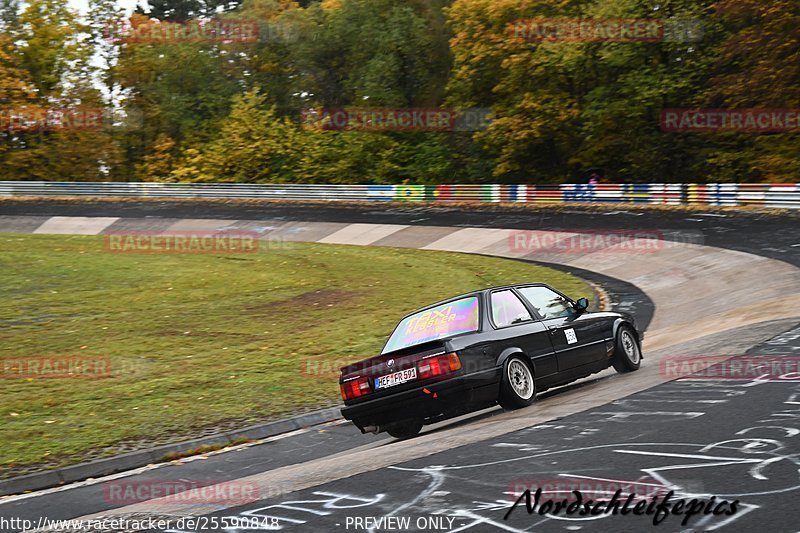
(450, 397)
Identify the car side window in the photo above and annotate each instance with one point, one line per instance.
(508, 309)
(547, 303)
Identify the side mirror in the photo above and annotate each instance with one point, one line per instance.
(582, 305)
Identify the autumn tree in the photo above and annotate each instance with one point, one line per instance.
(253, 145)
(51, 52)
(758, 66)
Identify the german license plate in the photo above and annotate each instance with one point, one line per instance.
(390, 380)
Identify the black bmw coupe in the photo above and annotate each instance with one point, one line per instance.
(501, 345)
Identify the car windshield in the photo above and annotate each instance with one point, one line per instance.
(445, 320)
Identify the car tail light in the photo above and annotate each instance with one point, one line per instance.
(438, 365)
(355, 388)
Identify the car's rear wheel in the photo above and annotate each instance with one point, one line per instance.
(627, 355)
(404, 430)
(517, 388)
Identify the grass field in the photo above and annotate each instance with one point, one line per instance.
(201, 342)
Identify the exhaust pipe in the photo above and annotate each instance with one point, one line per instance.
(371, 429)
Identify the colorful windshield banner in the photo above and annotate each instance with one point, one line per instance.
(435, 323)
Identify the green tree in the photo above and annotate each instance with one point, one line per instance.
(372, 53)
(270, 61)
(628, 86)
(50, 33)
(180, 89)
(758, 66)
(253, 145)
(16, 92)
(52, 73)
(9, 13)
(105, 18)
(565, 106)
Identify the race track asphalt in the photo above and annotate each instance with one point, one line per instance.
(723, 438)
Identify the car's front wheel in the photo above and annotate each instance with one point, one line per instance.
(627, 355)
(404, 430)
(517, 388)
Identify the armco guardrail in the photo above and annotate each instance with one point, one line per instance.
(717, 194)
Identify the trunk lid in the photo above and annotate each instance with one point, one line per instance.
(391, 363)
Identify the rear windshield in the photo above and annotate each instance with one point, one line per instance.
(446, 320)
